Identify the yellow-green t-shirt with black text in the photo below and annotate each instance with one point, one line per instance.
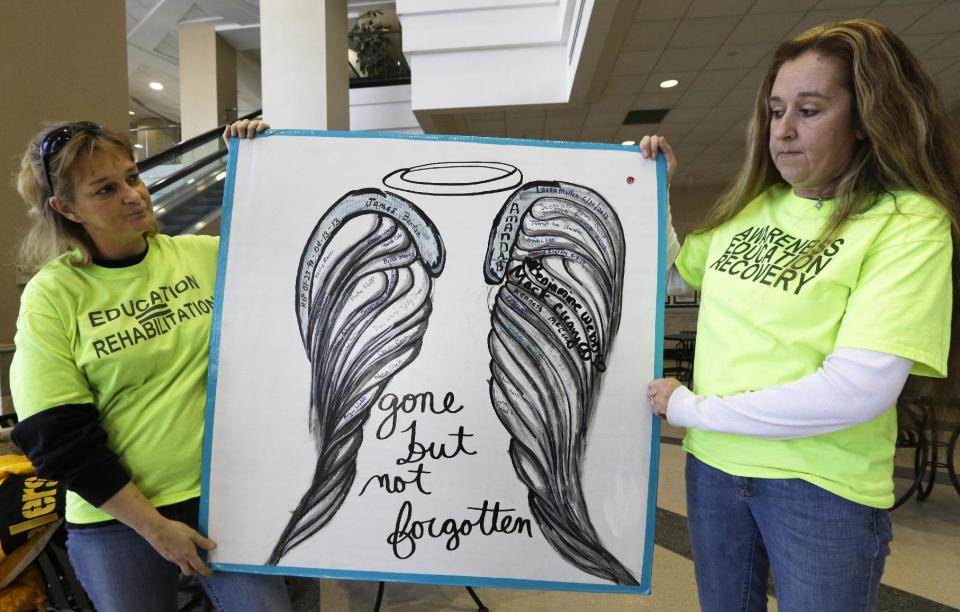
(133, 342)
(773, 307)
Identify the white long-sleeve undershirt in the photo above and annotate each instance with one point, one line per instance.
(852, 386)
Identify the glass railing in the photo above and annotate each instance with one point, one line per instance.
(186, 181)
(188, 202)
(149, 141)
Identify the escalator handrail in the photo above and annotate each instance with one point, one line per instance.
(185, 171)
(186, 145)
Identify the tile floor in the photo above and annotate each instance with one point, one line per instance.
(922, 573)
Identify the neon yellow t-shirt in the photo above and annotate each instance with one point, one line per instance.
(133, 342)
(884, 285)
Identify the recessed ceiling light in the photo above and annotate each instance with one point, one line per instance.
(220, 176)
(138, 146)
(131, 112)
(629, 143)
(154, 85)
(669, 83)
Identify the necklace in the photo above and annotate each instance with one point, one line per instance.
(818, 201)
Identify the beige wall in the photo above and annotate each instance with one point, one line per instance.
(208, 80)
(62, 60)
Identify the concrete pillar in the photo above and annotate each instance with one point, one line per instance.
(303, 60)
(63, 60)
(208, 80)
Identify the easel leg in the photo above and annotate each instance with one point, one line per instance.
(476, 600)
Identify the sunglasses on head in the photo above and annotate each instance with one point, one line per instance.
(54, 141)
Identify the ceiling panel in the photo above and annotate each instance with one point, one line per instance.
(620, 85)
(652, 84)
(659, 10)
(613, 103)
(138, 9)
(763, 29)
(693, 114)
(754, 78)
(936, 65)
(736, 134)
(565, 119)
(485, 125)
(817, 17)
(636, 62)
(717, 152)
(941, 20)
(193, 14)
(919, 43)
(648, 36)
(830, 4)
(169, 47)
(742, 98)
(634, 132)
(718, 8)
(737, 56)
(949, 47)
(726, 115)
(696, 140)
(665, 98)
(674, 132)
(701, 99)
(535, 133)
(717, 79)
(703, 32)
(596, 119)
(486, 115)
(899, 18)
(491, 131)
(599, 134)
(710, 127)
(684, 60)
(526, 115)
(775, 6)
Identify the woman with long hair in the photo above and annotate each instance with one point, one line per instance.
(825, 279)
(109, 376)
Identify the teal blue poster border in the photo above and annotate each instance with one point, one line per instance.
(438, 579)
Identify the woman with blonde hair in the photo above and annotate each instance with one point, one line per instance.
(825, 279)
(109, 376)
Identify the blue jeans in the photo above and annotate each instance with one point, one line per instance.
(120, 572)
(826, 552)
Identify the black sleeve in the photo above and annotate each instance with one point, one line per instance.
(67, 444)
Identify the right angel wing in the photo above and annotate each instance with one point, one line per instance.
(557, 252)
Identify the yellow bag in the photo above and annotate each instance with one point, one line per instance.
(31, 509)
(26, 592)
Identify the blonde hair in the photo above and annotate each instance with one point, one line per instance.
(51, 234)
(911, 142)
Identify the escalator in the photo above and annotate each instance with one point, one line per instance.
(186, 182)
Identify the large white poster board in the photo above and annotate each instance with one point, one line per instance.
(429, 359)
